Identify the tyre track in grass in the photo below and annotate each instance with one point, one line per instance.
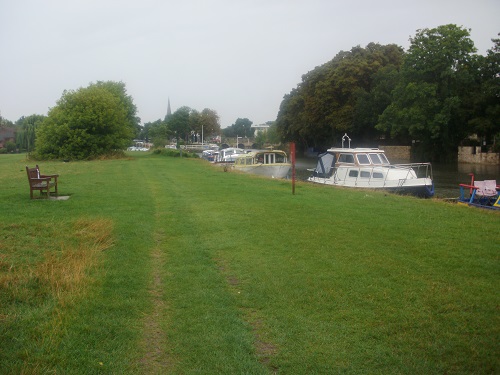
(194, 321)
(156, 359)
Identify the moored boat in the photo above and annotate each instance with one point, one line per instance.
(227, 155)
(481, 194)
(273, 163)
(369, 168)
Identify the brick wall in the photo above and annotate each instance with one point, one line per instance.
(472, 154)
(397, 152)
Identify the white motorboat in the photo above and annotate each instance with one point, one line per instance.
(273, 163)
(227, 155)
(369, 168)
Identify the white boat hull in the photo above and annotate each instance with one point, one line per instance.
(417, 186)
(274, 171)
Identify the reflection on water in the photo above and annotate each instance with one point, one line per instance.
(446, 176)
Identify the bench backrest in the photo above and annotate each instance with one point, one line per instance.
(33, 173)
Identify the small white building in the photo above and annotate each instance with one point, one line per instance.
(260, 128)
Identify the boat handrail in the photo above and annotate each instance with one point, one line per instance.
(411, 164)
(408, 167)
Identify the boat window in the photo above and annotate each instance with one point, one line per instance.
(353, 173)
(268, 158)
(280, 158)
(363, 159)
(365, 174)
(375, 159)
(346, 158)
(378, 175)
(249, 161)
(384, 159)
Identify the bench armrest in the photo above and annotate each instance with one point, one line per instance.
(41, 179)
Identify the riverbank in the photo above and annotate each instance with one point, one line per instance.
(168, 265)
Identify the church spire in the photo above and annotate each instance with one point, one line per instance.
(169, 111)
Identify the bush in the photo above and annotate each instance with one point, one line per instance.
(174, 153)
(89, 123)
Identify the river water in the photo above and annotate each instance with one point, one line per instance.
(446, 177)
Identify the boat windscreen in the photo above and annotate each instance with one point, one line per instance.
(324, 168)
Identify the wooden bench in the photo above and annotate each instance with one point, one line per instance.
(41, 182)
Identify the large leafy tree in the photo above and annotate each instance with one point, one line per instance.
(179, 123)
(87, 123)
(119, 90)
(430, 102)
(242, 127)
(486, 97)
(326, 103)
(209, 119)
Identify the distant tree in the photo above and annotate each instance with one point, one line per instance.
(4, 123)
(343, 95)
(210, 121)
(157, 132)
(269, 136)
(241, 128)
(26, 131)
(182, 124)
(179, 124)
(88, 123)
(260, 139)
(429, 103)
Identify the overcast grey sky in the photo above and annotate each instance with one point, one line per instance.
(237, 57)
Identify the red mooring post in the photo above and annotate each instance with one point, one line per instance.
(292, 156)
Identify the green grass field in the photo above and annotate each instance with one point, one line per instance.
(159, 265)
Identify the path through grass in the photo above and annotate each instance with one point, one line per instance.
(201, 271)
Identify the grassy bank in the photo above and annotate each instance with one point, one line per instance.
(168, 265)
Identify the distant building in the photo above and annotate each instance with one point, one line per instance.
(6, 135)
(260, 128)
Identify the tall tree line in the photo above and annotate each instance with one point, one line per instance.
(435, 95)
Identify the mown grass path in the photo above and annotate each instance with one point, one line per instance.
(197, 271)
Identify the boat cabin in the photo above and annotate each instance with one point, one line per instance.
(262, 157)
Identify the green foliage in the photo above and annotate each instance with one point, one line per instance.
(175, 153)
(88, 123)
(485, 97)
(431, 99)
(4, 123)
(10, 146)
(344, 95)
(156, 132)
(210, 121)
(438, 94)
(180, 125)
(26, 131)
(270, 136)
(241, 128)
